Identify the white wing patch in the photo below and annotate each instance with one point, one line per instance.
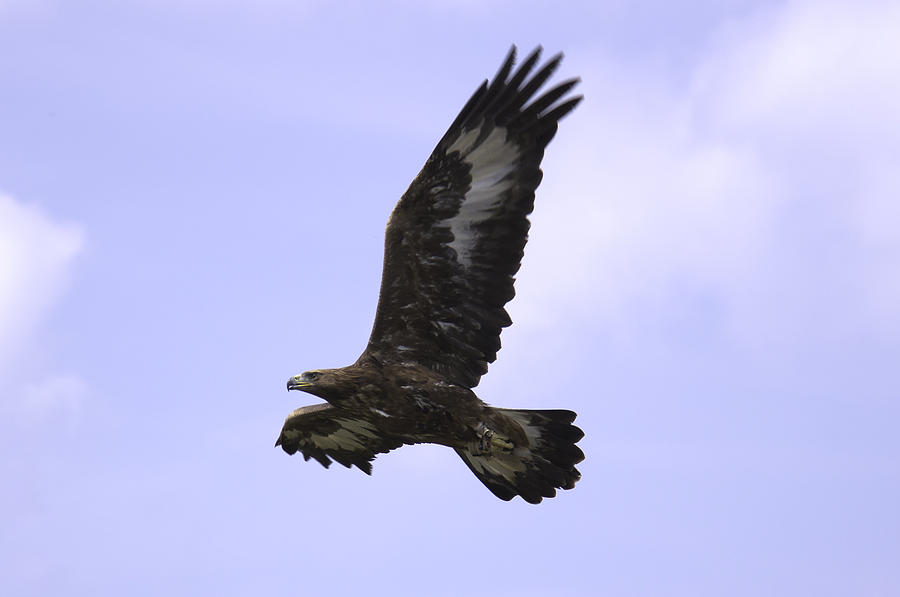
(490, 162)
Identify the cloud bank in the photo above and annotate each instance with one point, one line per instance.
(762, 186)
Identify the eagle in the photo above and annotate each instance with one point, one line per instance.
(453, 245)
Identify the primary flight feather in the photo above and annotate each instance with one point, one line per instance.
(452, 246)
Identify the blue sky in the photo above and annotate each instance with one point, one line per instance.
(192, 202)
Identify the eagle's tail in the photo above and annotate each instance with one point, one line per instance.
(540, 457)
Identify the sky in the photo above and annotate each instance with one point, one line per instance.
(192, 202)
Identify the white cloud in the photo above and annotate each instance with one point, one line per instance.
(813, 63)
(36, 254)
(766, 185)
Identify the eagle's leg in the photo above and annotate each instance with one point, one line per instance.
(488, 440)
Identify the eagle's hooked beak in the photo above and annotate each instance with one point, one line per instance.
(298, 382)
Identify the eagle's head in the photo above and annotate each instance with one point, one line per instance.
(319, 382)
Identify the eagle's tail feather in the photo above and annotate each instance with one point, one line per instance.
(533, 468)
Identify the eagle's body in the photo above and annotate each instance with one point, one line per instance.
(432, 410)
(452, 246)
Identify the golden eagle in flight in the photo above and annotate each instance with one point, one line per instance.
(453, 244)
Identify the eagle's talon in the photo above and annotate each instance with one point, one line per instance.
(485, 439)
(488, 441)
(503, 444)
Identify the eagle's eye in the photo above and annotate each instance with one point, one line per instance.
(312, 375)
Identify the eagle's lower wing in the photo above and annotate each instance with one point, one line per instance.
(456, 238)
(324, 432)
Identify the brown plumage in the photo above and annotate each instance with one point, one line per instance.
(452, 246)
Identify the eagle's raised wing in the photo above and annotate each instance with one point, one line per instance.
(324, 432)
(455, 240)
